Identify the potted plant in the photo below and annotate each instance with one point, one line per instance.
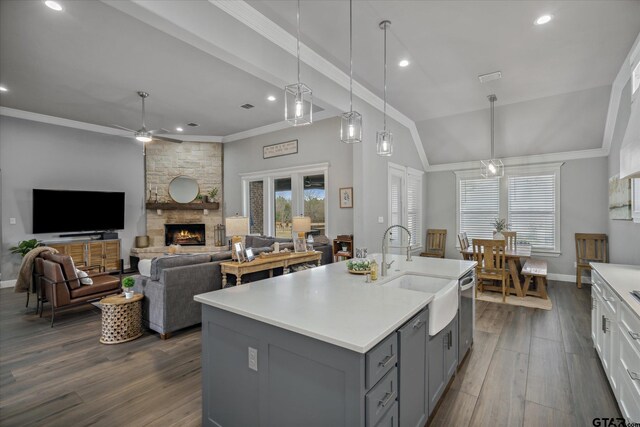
(127, 284)
(25, 246)
(213, 194)
(499, 225)
(200, 198)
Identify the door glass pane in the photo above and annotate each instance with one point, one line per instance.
(314, 196)
(282, 207)
(256, 207)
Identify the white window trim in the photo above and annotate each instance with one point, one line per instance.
(405, 171)
(296, 173)
(523, 170)
(635, 200)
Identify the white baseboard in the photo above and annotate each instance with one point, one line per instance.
(567, 278)
(7, 283)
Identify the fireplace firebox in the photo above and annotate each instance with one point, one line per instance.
(184, 234)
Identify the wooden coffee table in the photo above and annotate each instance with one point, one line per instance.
(269, 263)
(121, 318)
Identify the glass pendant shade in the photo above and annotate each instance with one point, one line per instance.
(298, 104)
(143, 136)
(351, 127)
(384, 143)
(492, 168)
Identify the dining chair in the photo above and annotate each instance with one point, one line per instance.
(490, 256)
(590, 247)
(436, 243)
(510, 238)
(463, 240)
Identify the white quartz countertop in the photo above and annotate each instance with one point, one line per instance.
(623, 279)
(329, 304)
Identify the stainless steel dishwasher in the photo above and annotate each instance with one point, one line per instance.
(467, 313)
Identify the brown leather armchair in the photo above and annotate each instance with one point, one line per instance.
(61, 286)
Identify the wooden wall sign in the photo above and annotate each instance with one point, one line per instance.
(280, 149)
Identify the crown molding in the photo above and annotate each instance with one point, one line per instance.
(74, 124)
(59, 121)
(273, 127)
(525, 160)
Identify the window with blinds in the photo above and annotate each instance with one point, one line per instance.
(532, 209)
(414, 202)
(479, 207)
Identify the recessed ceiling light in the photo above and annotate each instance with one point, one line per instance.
(179, 129)
(543, 19)
(271, 98)
(403, 63)
(53, 5)
(3, 89)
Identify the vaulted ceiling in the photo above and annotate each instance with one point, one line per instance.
(87, 62)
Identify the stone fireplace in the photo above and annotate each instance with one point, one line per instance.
(185, 234)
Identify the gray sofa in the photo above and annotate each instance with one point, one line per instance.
(169, 289)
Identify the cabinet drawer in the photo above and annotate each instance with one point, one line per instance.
(390, 419)
(610, 300)
(630, 326)
(630, 363)
(381, 359)
(381, 397)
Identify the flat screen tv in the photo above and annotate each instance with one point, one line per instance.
(59, 211)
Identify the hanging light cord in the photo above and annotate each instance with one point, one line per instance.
(351, 56)
(143, 125)
(492, 99)
(298, 41)
(385, 77)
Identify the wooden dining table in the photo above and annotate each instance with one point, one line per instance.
(513, 254)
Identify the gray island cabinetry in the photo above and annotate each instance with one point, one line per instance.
(322, 348)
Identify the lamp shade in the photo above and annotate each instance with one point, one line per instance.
(237, 225)
(301, 224)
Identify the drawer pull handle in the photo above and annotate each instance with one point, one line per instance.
(386, 399)
(634, 376)
(634, 335)
(417, 324)
(384, 362)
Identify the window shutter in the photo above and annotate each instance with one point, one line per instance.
(414, 202)
(479, 207)
(532, 209)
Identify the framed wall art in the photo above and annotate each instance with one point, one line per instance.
(346, 197)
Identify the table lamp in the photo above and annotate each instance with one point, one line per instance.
(237, 227)
(301, 225)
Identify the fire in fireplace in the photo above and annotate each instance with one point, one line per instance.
(184, 234)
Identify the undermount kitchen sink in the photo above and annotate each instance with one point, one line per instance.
(444, 306)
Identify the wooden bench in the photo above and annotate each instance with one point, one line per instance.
(535, 268)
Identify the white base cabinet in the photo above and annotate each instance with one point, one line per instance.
(615, 331)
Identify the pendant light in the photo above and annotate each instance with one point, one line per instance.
(492, 168)
(351, 121)
(384, 138)
(298, 97)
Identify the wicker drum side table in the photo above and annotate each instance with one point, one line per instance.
(121, 319)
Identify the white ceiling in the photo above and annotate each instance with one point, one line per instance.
(86, 63)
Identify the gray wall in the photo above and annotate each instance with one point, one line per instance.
(38, 155)
(583, 207)
(565, 122)
(317, 143)
(624, 236)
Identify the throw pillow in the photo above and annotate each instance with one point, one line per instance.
(82, 275)
(322, 239)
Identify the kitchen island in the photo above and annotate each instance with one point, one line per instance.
(322, 347)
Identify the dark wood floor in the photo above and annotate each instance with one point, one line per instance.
(527, 367)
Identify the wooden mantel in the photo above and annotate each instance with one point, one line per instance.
(172, 206)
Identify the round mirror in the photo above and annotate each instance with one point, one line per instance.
(183, 189)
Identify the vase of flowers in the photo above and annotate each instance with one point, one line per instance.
(127, 286)
(499, 225)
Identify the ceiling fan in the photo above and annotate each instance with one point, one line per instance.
(144, 135)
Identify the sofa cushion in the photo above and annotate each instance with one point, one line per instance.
(160, 263)
(100, 284)
(248, 241)
(68, 269)
(280, 239)
(260, 242)
(144, 267)
(221, 256)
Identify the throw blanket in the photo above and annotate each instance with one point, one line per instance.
(25, 277)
